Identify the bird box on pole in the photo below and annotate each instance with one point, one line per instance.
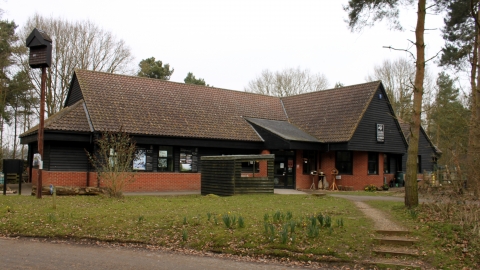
(40, 45)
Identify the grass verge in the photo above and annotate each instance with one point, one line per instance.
(367, 193)
(446, 240)
(295, 227)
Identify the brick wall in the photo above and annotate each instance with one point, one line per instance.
(143, 181)
(360, 177)
(303, 181)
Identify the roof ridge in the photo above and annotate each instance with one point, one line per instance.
(333, 89)
(173, 82)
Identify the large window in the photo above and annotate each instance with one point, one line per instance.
(165, 159)
(372, 163)
(386, 163)
(309, 162)
(392, 163)
(419, 163)
(344, 162)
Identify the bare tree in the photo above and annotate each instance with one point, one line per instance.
(363, 13)
(76, 45)
(113, 161)
(397, 77)
(288, 82)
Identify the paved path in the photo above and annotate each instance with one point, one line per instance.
(32, 254)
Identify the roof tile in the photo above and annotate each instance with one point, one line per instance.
(330, 115)
(156, 107)
(71, 118)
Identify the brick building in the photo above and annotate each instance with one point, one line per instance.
(351, 129)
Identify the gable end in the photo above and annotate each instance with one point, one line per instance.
(379, 111)
(74, 93)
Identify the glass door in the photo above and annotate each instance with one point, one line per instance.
(284, 169)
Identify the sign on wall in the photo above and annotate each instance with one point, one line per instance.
(380, 133)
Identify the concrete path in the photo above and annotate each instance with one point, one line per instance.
(29, 253)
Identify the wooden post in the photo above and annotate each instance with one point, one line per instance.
(40, 130)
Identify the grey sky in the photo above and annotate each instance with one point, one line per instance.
(230, 42)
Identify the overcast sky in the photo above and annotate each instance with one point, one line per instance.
(229, 42)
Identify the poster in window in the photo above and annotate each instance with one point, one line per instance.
(162, 153)
(139, 163)
(188, 160)
(162, 163)
(380, 133)
(186, 167)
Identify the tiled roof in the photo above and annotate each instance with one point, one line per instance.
(156, 107)
(283, 129)
(145, 106)
(330, 115)
(71, 118)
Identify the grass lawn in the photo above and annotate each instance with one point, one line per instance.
(291, 226)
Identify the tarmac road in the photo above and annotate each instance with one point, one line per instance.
(28, 253)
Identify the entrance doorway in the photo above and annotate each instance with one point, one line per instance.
(284, 169)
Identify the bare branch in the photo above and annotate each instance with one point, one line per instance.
(81, 45)
(395, 49)
(435, 56)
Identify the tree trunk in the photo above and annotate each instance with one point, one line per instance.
(411, 187)
(474, 136)
(1, 138)
(475, 146)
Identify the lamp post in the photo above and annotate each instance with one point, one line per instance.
(40, 45)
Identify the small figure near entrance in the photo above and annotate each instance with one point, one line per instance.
(334, 176)
(322, 180)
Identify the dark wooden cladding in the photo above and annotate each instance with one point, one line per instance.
(39, 56)
(75, 93)
(218, 177)
(426, 153)
(365, 137)
(66, 157)
(222, 175)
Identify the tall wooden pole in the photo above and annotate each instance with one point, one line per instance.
(40, 130)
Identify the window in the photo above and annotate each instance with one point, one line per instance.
(344, 162)
(165, 159)
(386, 163)
(309, 162)
(372, 163)
(112, 158)
(419, 163)
(140, 160)
(188, 160)
(251, 166)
